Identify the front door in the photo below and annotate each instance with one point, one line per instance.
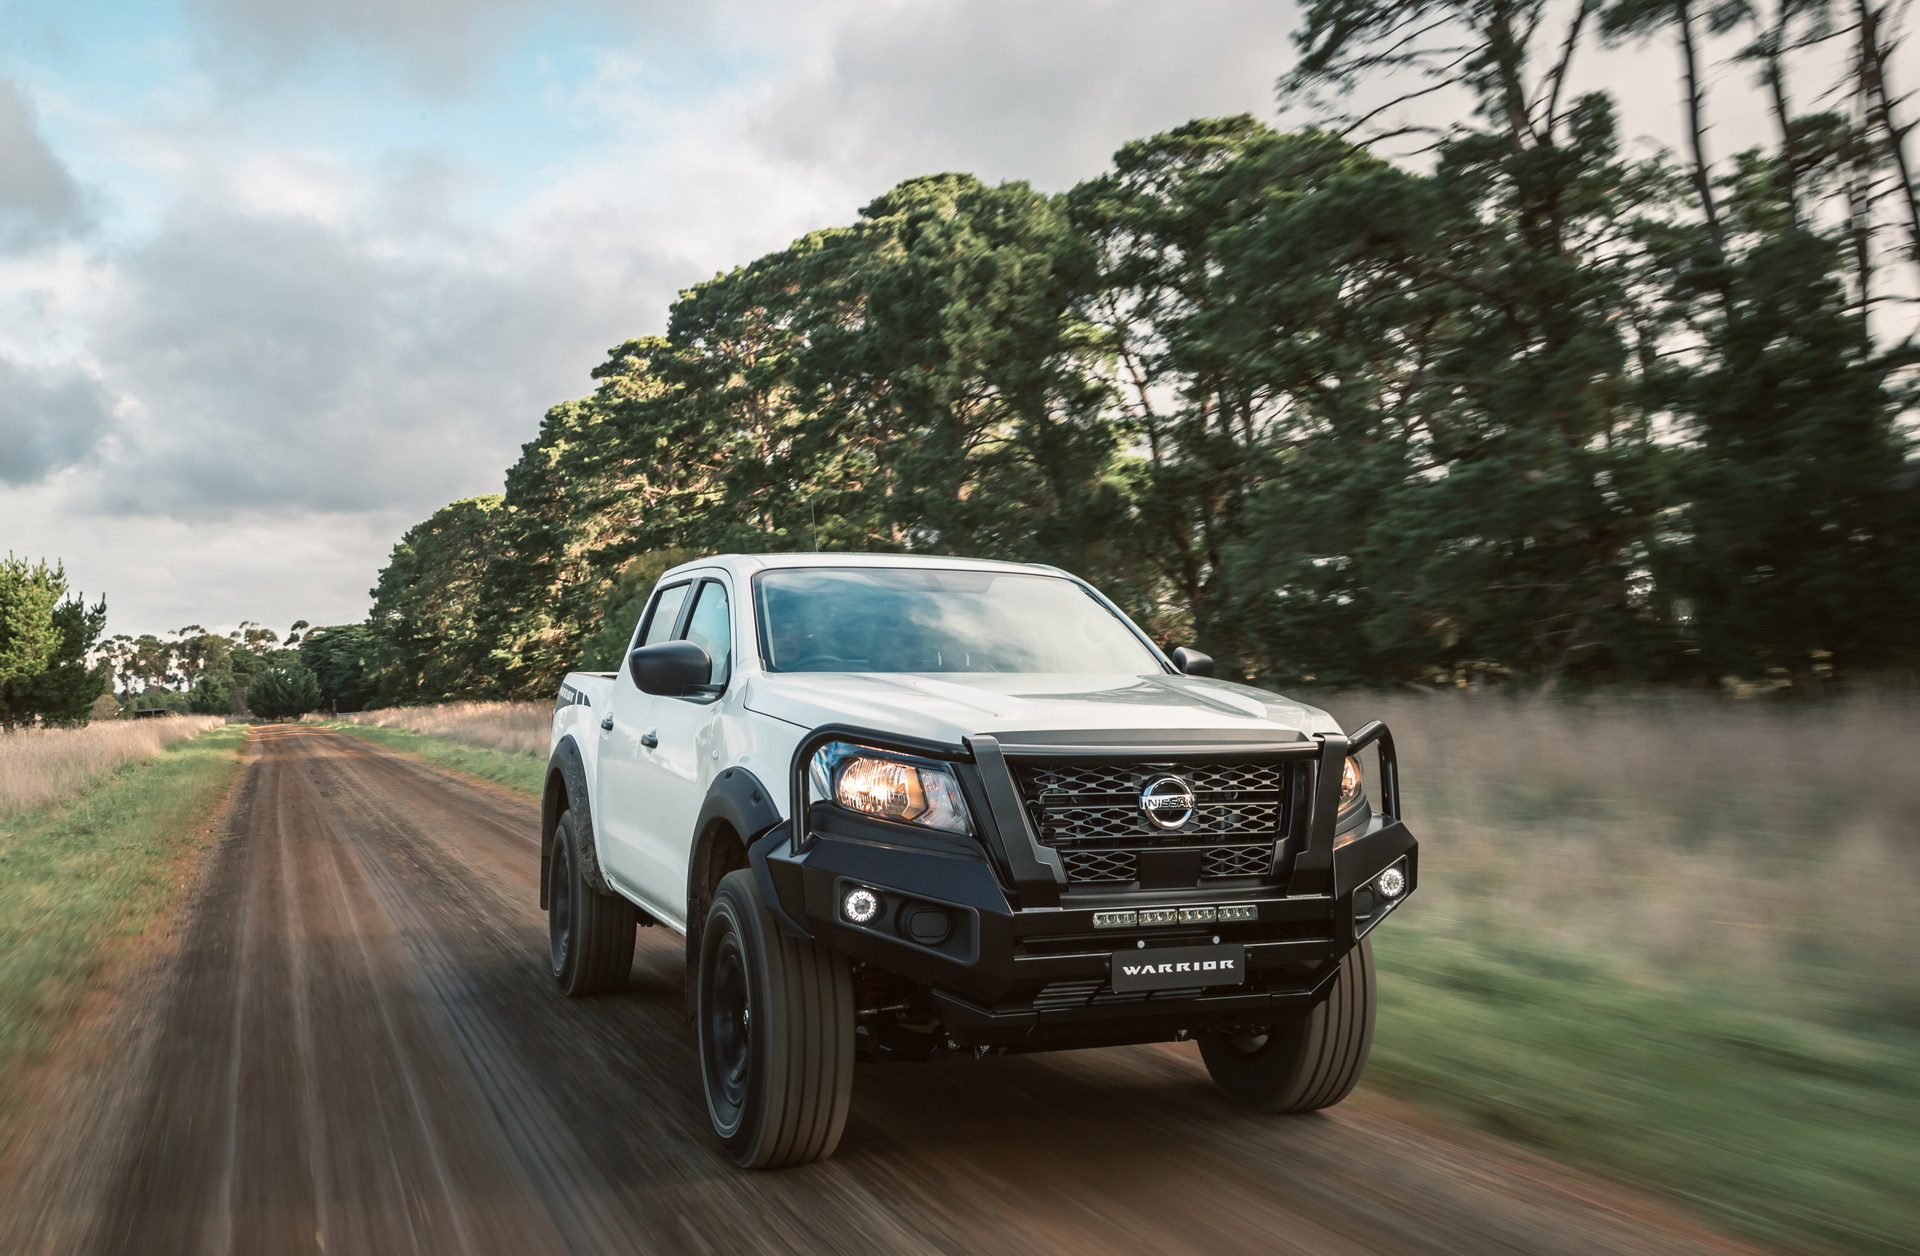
(672, 775)
(622, 752)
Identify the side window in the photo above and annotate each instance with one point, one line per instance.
(711, 628)
(666, 615)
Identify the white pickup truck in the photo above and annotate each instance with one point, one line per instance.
(911, 808)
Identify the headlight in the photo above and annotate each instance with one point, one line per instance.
(871, 782)
(1353, 804)
(1353, 786)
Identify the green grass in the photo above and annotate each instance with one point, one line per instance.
(79, 874)
(1775, 1126)
(524, 772)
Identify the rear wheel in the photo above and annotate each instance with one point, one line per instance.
(589, 932)
(1305, 1064)
(776, 1025)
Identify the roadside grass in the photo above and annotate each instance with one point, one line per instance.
(516, 727)
(39, 766)
(79, 874)
(1777, 1127)
(525, 771)
(1668, 939)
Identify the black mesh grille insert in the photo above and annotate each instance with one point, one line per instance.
(1098, 865)
(1237, 861)
(1091, 813)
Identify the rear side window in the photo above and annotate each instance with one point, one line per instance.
(711, 628)
(666, 614)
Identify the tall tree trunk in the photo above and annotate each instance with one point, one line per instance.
(1696, 128)
(1859, 192)
(1878, 97)
(1558, 78)
(1776, 74)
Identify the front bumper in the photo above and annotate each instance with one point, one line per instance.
(1021, 962)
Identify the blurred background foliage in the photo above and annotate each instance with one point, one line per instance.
(1359, 403)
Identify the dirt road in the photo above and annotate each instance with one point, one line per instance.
(355, 1048)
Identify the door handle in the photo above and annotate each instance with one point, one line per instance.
(606, 725)
(648, 740)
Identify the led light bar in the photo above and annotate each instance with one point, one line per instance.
(1173, 915)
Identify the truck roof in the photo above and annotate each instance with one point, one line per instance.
(745, 564)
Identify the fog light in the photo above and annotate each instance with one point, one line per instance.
(860, 905)
(1240, 912)
(1392, 883)
(1195, 915)
(1115, 919)
(1159, 916)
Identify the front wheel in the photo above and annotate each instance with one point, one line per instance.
(1305, 1064)
(776, 1025)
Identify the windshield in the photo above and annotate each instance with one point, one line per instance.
(916, 619)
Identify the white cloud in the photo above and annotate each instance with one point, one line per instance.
(39, 201)
(1008, 89)
(50, 418)
(436, 45)
(159, 572)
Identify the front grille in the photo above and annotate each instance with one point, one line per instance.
(1237, 861)
(1099, 865)
(1091, 814)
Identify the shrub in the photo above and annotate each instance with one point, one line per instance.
(282, 693)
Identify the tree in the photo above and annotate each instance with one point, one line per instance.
(1800, 543)
(426, 643)
(337, 658)
(28, 637)
(211, 694)
(45, 640)
(283, 692)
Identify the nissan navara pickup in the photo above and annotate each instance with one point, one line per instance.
(914, 808)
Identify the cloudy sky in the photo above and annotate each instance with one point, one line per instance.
(279, 278)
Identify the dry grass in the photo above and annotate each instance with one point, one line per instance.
(44, 765)
(515, 727)
(1692, 837)
(1688, 836)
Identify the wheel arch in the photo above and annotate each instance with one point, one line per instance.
(566, 791)
(738, 809)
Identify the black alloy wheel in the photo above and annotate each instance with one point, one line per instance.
(727, 1046)
(560, 908)
(776, 1025)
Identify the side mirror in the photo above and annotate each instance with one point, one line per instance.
(670, 669)
(1192, 662)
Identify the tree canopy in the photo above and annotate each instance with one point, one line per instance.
(46, 640)
(1515, 404)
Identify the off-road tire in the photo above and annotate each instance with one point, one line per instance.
(776, 1027)
(1306, 1064)
(589, 932)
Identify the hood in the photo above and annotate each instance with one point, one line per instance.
(950, 706)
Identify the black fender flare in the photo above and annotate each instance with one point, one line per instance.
(566, 791)
(738, 809)
(738, 799)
